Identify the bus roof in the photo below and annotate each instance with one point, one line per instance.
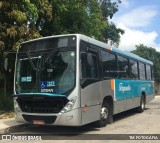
(100, 44)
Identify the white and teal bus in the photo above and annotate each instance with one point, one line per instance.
(73, 80)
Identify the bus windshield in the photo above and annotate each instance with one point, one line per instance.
(49, 72)
(58, 72)
(46, 65)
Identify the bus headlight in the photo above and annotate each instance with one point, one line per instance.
(69, 105)
(16, 106)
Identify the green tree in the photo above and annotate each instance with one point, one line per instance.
(18, 21)
(150, 54)
(109, 8)
(26, 19)
(112, 33)
(89, 17)
(75, 16)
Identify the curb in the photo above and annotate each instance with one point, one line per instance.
(17, 128)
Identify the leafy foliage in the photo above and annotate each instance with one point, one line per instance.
(18, 21)
(109, 8)
(26, 19)
(110, 34)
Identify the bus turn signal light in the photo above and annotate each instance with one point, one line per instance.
(112, 84)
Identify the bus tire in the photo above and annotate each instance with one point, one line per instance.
(141, 108)
(106, 115)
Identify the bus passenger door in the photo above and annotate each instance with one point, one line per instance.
(90, 86)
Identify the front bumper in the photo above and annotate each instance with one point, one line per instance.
(72, 118)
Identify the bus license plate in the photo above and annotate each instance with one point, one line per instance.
(38, 122)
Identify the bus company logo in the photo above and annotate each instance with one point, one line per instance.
(124, 88)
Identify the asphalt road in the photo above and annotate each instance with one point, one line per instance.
(128, 122)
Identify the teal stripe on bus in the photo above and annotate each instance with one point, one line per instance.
(126, 89)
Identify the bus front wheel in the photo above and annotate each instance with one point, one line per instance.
(105, 116)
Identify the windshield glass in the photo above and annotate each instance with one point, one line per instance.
(58, 72)
(26, 75)
(51, 72)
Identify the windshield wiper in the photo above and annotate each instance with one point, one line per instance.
(52, 53)
(31, 62)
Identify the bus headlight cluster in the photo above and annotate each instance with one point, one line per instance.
(69, 105)
(16, 106)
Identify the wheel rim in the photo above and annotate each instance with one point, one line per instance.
(104, 113)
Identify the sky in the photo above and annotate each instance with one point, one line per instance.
(140, 19)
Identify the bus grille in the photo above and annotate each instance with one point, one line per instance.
(42, 104)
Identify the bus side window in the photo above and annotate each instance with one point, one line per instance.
(109, 64)
(152, 72)
(148, 71)
(133, 69)
(142, 73)
(123, 65)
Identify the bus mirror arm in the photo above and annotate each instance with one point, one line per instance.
(6, 64)
(6, 59)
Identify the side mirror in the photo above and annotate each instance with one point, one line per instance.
(9, 60)
(6, 64)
